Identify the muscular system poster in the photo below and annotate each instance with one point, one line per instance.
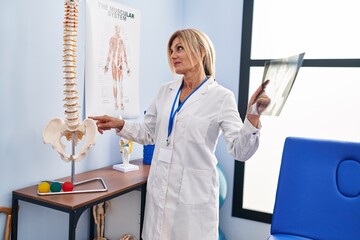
(112, 59)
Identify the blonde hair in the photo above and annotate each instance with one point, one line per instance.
(196, 44)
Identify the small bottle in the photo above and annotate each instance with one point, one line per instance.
(148, 151)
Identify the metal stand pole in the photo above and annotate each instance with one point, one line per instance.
(72, 160)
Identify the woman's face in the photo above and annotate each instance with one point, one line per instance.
(180, 60)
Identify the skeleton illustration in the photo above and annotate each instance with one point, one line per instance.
(72, 128)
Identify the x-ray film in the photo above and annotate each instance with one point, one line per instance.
(282, 74)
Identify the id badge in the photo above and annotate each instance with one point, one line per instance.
(165, 153)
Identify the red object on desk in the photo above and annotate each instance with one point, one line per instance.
(67, 186)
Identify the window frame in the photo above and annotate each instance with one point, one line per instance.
(243, 95)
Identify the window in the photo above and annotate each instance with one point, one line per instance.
(323, 101)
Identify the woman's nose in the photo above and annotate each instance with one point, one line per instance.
(173, 55)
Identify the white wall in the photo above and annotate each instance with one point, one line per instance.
(31, 95)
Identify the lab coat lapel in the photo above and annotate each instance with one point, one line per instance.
(173, 89)
(174, 86)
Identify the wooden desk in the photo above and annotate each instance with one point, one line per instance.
(118, 183)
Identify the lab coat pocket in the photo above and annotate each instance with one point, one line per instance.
(158, 181)
(195, 186)
(196, 130)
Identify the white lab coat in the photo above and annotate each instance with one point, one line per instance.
(182, 200)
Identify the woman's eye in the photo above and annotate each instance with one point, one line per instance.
(179, 48)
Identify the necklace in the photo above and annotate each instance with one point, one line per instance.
(194, 85)
(190, 88)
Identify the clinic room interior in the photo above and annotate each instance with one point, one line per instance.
(301, 183)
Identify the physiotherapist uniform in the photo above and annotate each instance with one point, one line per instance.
(182, 200)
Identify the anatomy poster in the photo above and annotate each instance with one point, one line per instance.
(112, 59)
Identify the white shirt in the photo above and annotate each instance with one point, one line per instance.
(182, 200)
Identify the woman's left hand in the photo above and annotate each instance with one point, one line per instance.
(259, 101)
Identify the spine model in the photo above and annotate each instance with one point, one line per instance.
(72, 129)
(69, 59)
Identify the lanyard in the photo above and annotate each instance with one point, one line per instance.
(173, 113)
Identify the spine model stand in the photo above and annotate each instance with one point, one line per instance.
(72, 128)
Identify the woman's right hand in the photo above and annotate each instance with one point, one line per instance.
(106, 122)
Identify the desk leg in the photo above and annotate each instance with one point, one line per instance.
(72, 226)
(142, 208)
(74, 217)
(92, 225)
(14, 220)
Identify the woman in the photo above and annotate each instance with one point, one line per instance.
(184, 122)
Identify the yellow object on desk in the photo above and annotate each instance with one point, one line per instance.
(44, 187)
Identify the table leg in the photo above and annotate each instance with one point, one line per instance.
(92, 225)
(74, 217)
(14, 219)
(142, 208)
(72, 226)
